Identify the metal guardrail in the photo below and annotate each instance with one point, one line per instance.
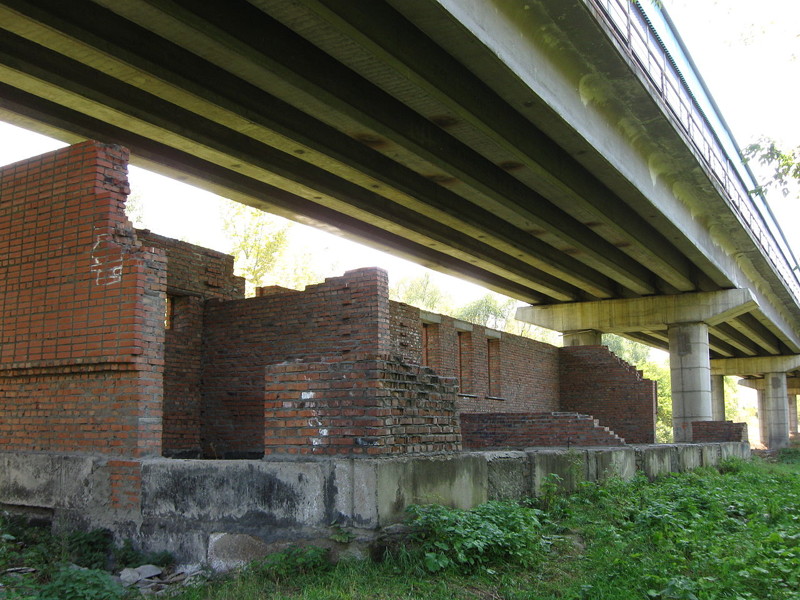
(625, 23)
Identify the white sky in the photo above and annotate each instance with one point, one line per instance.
(747, 53)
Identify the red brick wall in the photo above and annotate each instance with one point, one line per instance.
(596, 382)
(522, 430)
(342, 316)
(525, 372)
(361, 404)
(405, 330)
(194, 274)
(81, 307)
(719, 431)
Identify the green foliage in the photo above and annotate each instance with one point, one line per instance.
(783, 164)
(258, 241)
(341, 535)
(789, 456)
(490, 534)
(292, 562)
(421, 292)
(70, 583)
(490, 310)
(705, 535)
(628, 350)
(89, 549)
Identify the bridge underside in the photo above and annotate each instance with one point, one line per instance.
(408, 126)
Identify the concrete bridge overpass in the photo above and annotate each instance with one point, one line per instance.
(545, 149)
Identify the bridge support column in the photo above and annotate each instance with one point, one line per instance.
(774, 418)
(762, 414)
(776, 407)
(584, 337)
(792, 415)
(717, 397)
(686, 317)
(690, 370)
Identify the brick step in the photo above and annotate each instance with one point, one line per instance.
(520, 430)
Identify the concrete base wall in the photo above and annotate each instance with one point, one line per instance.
(184, 505)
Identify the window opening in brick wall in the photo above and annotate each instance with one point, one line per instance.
(169, 312)
(464, 357)
(493, 367)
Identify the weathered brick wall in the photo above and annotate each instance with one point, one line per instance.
(194, 270)
(81, 308)
(596, 382)
(405, 330)
(522, 375)
(342, 316)
(522, 430)
(361, 405)
(194, 274)
(719, 431)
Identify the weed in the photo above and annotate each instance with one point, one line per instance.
(81, 584)
(490, 534)
(90, 549)
(341, 535)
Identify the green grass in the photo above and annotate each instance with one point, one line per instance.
(705, 535)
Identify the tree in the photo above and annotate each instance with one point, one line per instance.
(490, 310)
(261, 248)
(257, 242)
(421, 292)
(134, 209)
(784, 165)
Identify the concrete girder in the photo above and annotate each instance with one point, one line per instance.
(551, 88)
(251, 191)
(735, 338)
(641, 314)
(758, 365)
(754, 330)
(407, 49)
(277, 60)
(288, 130)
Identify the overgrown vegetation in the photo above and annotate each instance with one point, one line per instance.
(36, 564)
(728, 534)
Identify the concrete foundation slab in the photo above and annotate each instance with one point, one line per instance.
(197, 509)
(509, 475)
(686, 458)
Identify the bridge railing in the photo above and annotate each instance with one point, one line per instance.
(624, 22)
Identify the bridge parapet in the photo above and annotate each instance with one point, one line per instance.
(625, 23)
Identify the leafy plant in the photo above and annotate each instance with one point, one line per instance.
(489, 534)
(81, 584)
(89, 549)
(338, 534)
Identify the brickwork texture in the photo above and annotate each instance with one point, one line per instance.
(81, 308)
